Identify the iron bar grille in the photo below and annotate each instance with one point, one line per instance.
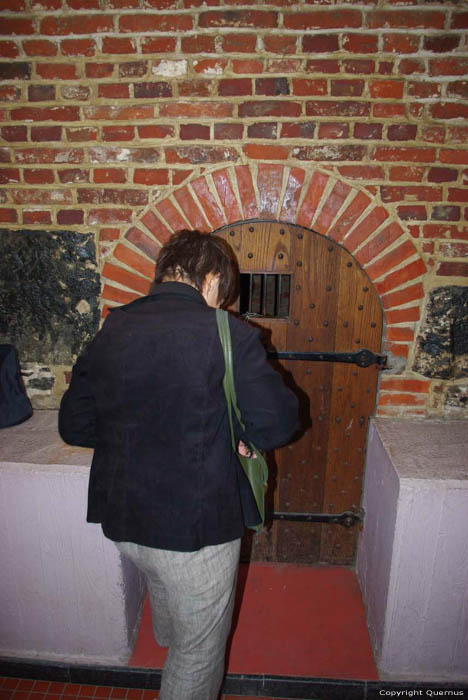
(264, 294)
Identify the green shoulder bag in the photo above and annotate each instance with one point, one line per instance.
(255, 466)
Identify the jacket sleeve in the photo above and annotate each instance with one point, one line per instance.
(269, 409)
(77, 414)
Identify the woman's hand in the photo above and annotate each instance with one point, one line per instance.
(244, 450)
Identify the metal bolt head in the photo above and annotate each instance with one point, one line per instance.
(250, 255)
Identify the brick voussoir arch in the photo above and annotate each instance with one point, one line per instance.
(312, 198)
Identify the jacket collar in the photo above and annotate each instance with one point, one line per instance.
(177, 289)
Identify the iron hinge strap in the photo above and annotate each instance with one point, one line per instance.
(346, 519)
(362, 358)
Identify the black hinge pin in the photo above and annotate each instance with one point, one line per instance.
(346, 519)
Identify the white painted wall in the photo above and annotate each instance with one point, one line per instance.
(413, 553)
(65, 592)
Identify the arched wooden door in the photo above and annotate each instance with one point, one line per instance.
(310, 295)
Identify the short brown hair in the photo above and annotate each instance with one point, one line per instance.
(193, 255)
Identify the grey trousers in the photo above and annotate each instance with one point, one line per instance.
(192, 598)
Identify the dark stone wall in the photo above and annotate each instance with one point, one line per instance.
(442, 345)
(49, 295)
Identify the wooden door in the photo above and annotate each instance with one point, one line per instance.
(324, 302)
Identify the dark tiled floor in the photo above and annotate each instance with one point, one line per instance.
(25, 689)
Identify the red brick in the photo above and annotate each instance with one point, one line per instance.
(169, 212)
(366, 130)
(360, 43)
(149, 22)
(458, 194)
(403, 296)
(311, 201)
(82, 134)
(70, 217)
(158, 44)
(8, 216)
(39, 176)
(228, 131)
(453, 269)
(401, 43)
(155, 131)
(109, 216)
(448, 66)
(74, 175)
(442, 231)
(459, 20)
(117, 45)
(442, 175)
(14, 133)
(196, 88)
(159, 230)
(320, 43)
(323, 19)
(78, 47)
(284, 65)
(102, 175)
(99, 70)
(124, 4)
(379, 243)
(198, 44)
(401, 399)
(391, 89)
(16, 25)
(256, 19)
(449, 110)
(116, 112)
(386, 67)
(302, 86)
(270, 108)
(282, 44)
(390, 260)
(406, 173)
(454, 156)
(41, 93)
(15, 71)
(402, 19)
(196, 109)
(9, 93)
(126, 278)
(133, 69)
(333, 130)
(41, 196)
(110, 293)
(358, 234)
(114, 91)
(152, 90)
(269, 186)
(82, 24)
(293, 130)
(8, 49)
(118, 133)
(82, 4)
(46, 133)
(208, 203)
(412, 212)
(46, 114)
(75, 92)
(291, 194)
(441, 43)
(459, 88)
(246, 192)
(327, 108)
(9, 175)
(262, 130)
(49, 155)
(258, 151)
(359, 66)
(392, 193)
(446, 213)
(399, 334)
(227, 196)
(239, 43)
(395, 153)
(15, 6)
(362, 172)
(319, 65)
(330, 152)
(399, 277)
(191, 132)
(346, 88)
(331, 207)
(402, 132)
(351, 214)
(424, 90)
(417, 386)
(143, 242)
(388, 110)
(235, 87)
(5, 156)
(132, 259)
(200, 154)
(412, 313)
(246, 66)
(190, 208)
(210, 66)
(37, 216)
(450, 249)
(272, 86)
(136, 197)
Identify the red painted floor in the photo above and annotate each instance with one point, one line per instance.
(289, 621)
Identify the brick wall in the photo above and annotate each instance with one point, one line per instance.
(133, 118)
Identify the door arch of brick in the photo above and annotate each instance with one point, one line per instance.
(313, 198)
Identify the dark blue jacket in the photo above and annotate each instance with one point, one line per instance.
(148, 396)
